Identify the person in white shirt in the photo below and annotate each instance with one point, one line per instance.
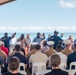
(62, 56)
(38, 56)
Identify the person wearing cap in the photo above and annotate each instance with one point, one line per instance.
(37, 38)
(71, 57)
(44, 46)
(51, 50)
(7, 39)
(55, 38)
(3, 48)
(67, 50)
(33, 51)
(62, 56)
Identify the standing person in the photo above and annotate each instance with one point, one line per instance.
(49, 35)
(28, 41)
(12, 42)
(22, 40)
(55, 61)
(37, 38)
(7, 39)
(43, 36)
(55, 38)
(71, 40)
(62, 36)
(13, 67)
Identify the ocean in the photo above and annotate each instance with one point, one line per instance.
(32, 35)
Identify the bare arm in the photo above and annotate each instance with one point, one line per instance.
(13, 35)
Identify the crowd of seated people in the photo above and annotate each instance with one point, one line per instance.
(39, 50)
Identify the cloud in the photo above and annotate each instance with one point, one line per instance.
(21, 29)
(64, 4)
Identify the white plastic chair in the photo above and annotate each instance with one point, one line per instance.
(71, 71)
(42, 72)
(73, 64)
(37, 67)
(22, 71)
(63, 66)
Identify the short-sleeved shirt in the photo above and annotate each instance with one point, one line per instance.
(21, 57)
(6, 41)
(37, 40)
(8, 73)
(38, 57)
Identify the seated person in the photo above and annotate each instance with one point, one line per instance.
(71, 57)
(37, 57)
(55, 62)
(51, 49)
(44, 47)
(13, 67)
(14, 50)
(18, 54)
(33, 49)
(67, 50)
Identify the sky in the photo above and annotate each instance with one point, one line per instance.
(38, 15)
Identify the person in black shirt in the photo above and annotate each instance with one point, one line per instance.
(55, 38)
(18, 54)
(7, 39)
(55, 62)
(71, 57)
(13, 67)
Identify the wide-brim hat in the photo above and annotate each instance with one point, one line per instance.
(50, 42)
(67, 42)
